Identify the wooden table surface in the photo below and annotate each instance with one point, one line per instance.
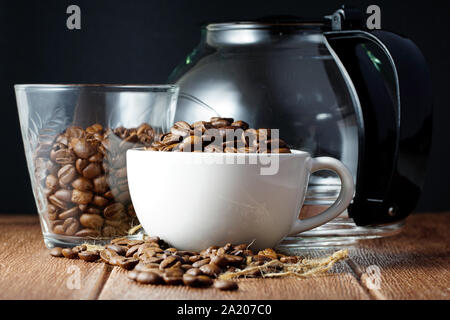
(412, 265)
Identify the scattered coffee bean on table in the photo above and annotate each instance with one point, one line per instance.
(152, 261)
(56, 252)
(225, 285)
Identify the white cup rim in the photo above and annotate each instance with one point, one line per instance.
(294, 153)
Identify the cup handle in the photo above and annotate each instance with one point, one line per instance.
(342, 202)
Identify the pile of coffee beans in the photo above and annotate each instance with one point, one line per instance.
(219, 135)
(83, 173)
(152, 261)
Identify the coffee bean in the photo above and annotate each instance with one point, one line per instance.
(100, 201)
(93, 210)
(95, 128)
(122, 241)
(92, 170)
(80, 164)
(145, 128)
(220, 261)
(70, 213)
(51, 182)
(79, 248)
(71, 226)
(87, 233)
(234, 260)
(186, 267)
(74, 132)
(240, 124)
(151, 259)
(120, 250)
(194, 271)
(123, 197)
(63, 156)
(146, 277)
(114, 211)
(172, 147)
(132, 275)
(190, 280)
(83, 184)
(81, 197)
(197, 281)
(52, 212)
(98, 157)
(108, 256)
(200, 263)
(181, 128)
(63, 195)
(89, 256)
(270, 253)
(221, 122)
(109, 195)
(92, 221)
(56, 252)
(261, 258)
(242, 246)
(193, 140)
(100, 184)
(150, 252)
(127, 263)
(141, 266)
(173, 277)
(66, 174)
(58, 203)
(69, 253)
(289, 259)
(130, 210)
(59, 229)
(82, 148)
(121, 173)
(225, 285)
(168, 262)
(210, 269)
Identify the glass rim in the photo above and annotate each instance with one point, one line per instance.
(252, 25)
(94, 85)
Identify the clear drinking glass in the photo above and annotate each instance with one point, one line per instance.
(75, 139)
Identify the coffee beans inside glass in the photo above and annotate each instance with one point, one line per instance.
(75, 139)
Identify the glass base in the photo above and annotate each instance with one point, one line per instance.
(340, 232)
(53, 240)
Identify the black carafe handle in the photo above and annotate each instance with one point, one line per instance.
(393, 85)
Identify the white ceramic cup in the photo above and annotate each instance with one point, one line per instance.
(195, 200)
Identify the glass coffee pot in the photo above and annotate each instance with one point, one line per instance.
(332, 90)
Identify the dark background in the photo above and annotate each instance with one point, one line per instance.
(142, 41)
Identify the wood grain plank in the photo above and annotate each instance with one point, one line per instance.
(412, 265)
(27, 271)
